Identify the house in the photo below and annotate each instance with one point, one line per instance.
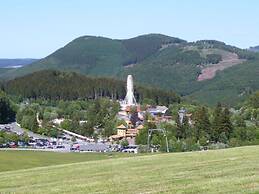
(128, 133)
(131, 132)
(157, 110)
(121, 130)
(58, 121)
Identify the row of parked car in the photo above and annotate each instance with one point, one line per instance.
(45, 144)
(125, 149)
(33, 143)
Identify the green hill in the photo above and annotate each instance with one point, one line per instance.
(189, 68)
(232, 170)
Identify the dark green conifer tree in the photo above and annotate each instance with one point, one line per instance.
(202, 123)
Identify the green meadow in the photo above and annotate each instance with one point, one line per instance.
(234, 170)
(15, 160)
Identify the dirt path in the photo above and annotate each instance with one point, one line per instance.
(227, 61)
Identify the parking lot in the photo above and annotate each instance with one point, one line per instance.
(63, 144)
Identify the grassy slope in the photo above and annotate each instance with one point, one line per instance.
(15, 160)
(222, 171)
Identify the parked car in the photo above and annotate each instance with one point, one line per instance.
(75, 147)
(12, 145)
(32, 143)
(49, 147)
(60, 147)
(22, 144)
(7, 127)
(131, 149)
(4, 145)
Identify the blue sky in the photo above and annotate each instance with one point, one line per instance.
(36, 28)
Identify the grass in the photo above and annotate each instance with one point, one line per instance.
(221, 171)
(15, 160)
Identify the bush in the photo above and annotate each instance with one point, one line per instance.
(203, 141)
(218, 145)
(223, 138)
(234, 142)
(124, 143)
(143, 149)
(213, 58)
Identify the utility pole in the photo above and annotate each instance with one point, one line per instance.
(150, 131)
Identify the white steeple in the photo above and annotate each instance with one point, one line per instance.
(130, 99)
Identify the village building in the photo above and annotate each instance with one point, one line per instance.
(157, 110)
(121, 130)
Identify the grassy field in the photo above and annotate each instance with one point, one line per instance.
(15, 160)
(221, 171)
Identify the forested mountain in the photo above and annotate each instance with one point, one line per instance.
(206, 70)
(55, 85)
(100, 56)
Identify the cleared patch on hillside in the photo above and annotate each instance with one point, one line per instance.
(228, 60)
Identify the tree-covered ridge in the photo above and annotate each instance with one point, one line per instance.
(155, 60)
(103, 56)
(242, 53)
(144, 46)
(55, 85)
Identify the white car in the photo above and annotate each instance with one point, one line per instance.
(131, 149)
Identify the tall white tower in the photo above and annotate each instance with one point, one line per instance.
(130, 99)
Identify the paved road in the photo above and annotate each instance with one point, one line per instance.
(17, 129)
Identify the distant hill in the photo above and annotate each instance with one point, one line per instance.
(201, 70)
(100, 56)
(7, 66)
(255, 49)
(15, 63)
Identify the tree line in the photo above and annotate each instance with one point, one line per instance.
(55, 85)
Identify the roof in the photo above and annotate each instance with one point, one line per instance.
(157, 109)
(123, 113)
(116, 136)
(140, 127)
(121, 127)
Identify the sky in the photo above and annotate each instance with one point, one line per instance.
(36, 28)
